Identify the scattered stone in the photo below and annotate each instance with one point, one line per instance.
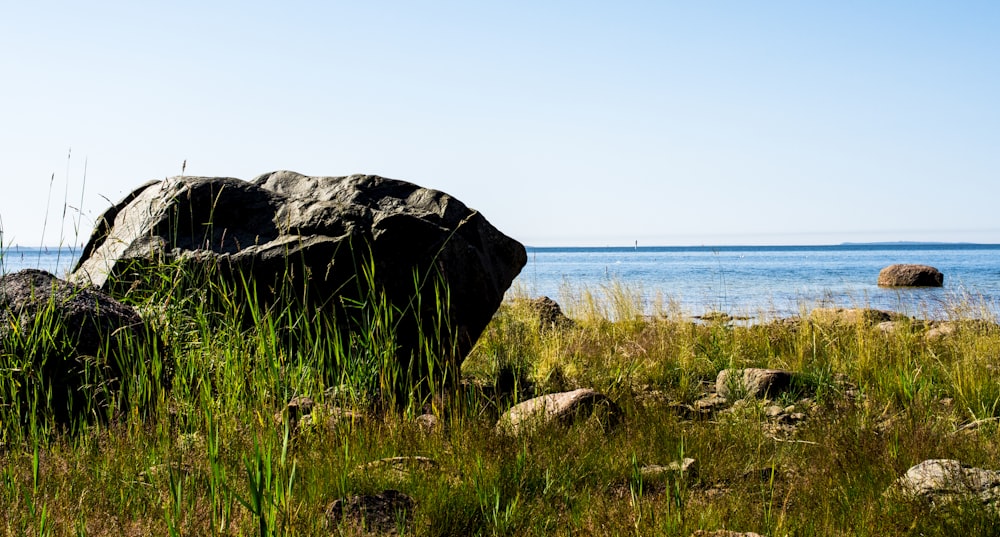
(649, 397)
(550, 315)
(905, 275)
(940, 330)
(295, 410)
(191, 442)
(79, 335)
(852, 316)
(975, 425)
(723, 533)
(685, 412)
(332, 418)
(942, 481)
(888, 327)
(314, 238)
(686, 466)
(752, 382)
(766, 474)
(773, 411)
(385, 513)
(714, 317)
(710, 403)
(162, 472)
(303, 413)
(397, 467)
(560, 408)
(428, 423)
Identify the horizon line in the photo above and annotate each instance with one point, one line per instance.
(636, 245)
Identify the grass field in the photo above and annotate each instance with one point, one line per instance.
(209, 456)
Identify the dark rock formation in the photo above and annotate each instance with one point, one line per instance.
(66, 338)
(550, 315)
(910, 276)
(385, 513)
(335, 244)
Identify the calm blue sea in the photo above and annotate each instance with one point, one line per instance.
(740, 280)
(770, 281)
(58, 261)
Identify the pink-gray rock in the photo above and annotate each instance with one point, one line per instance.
(907, 275)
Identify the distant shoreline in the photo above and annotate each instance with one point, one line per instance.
(907, 245)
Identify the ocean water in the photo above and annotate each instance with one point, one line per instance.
(770, 281)
(58, 261)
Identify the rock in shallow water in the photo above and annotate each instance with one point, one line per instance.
(907, 275)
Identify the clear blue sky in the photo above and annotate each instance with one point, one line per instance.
(565, 123)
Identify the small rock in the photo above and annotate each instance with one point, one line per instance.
(852, 316)
(941, 481)
(941, 330)
(304, 413)
(711, 403)
(165, 470)
(386, 512)
(687, 466)
(298, 407)
(428, 423)
(752, 382)
(685, 412)
(773, 411)
(888, 327)
(905, 275)
(550, 315)
(398, 467)
(560, 408)
(191, 442)
(332, 417)
(723, 533)
(719, 317)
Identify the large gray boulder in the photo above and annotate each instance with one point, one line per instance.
(77, 343)
(329, 241)
(905, 275)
